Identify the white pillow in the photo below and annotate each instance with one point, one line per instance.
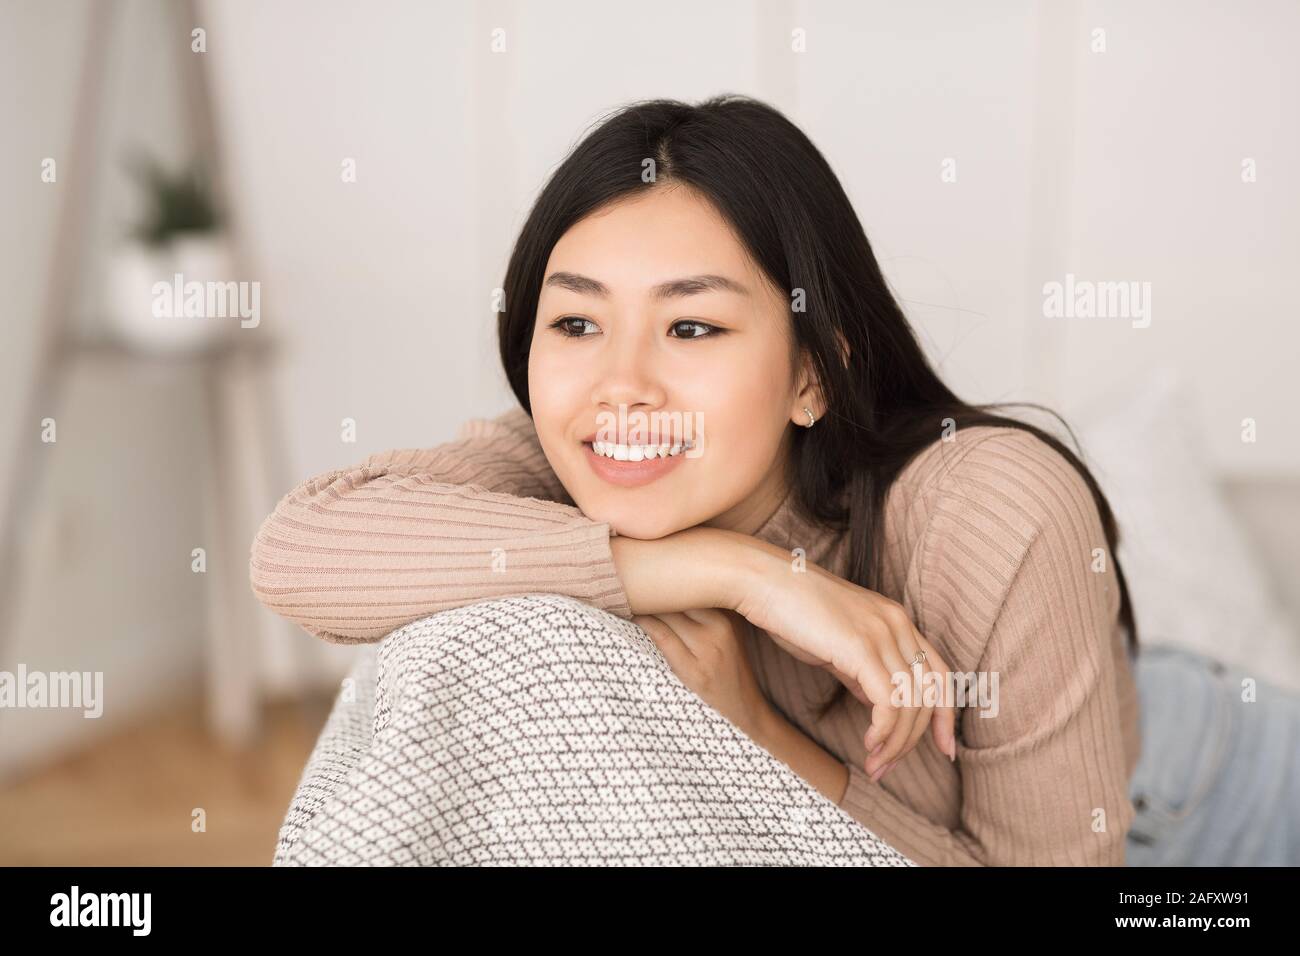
(1193, 577)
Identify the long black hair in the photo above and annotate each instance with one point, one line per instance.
(884, 401)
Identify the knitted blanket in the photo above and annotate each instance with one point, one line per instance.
(538, 730)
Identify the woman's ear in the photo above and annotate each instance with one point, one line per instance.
(809, 395)
(810, 391)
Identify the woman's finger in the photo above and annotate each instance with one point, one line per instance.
(924, 688)
(944, 724)
(899, 649)
(686, 628)
(917, 692)
(925, 715)
(888, 719)
(673, 648)
(868, 677)
(854, 686)
(703, 615)
(894, 744)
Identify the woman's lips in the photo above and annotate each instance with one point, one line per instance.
(629, 474)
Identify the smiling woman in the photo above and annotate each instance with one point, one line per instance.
(845, 527)
(653, 305)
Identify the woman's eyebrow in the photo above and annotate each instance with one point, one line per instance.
(673, 289)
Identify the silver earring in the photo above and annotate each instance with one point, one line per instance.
(811, 421)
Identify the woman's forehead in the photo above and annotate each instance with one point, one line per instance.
(642, 248)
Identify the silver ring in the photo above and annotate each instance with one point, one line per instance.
(811, 421)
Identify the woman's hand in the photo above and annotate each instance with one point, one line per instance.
(858, 635)
(863, 638)
(706, 650)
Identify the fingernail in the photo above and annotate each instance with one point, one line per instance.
(952, 750)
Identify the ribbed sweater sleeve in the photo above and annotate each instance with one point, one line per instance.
(355, 553)
(1010, 584)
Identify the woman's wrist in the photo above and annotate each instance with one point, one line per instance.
(694, 568)
(752, 565)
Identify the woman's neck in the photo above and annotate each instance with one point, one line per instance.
(759, 508)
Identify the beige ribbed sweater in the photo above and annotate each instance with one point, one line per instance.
(990, 544)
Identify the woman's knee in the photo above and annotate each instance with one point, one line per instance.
(527, 632)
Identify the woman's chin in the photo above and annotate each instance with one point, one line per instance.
(638, 525)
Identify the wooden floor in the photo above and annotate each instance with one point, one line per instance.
(129, 801)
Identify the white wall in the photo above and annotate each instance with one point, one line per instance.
(1162, 123)
(1113, 166)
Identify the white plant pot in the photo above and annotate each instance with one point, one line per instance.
(146, 318)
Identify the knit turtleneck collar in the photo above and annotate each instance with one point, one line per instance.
(787, 528)
(775, 529)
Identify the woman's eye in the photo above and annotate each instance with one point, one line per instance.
(708, 330)
(574, 327)
(570, 325)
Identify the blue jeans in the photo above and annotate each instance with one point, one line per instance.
(1218, 781)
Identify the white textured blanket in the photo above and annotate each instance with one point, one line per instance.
(538, 730)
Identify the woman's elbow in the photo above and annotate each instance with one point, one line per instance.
(276, 571)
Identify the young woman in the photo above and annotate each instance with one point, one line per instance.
(840, 520)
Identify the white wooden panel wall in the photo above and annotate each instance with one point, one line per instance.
(1114, 166)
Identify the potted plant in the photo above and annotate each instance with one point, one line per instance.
(179, 233)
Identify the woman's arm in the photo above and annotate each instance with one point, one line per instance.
(695, 568)
(1012, 587)
(824, 771)
(354, 553)
(861, 637)
(1007, 569)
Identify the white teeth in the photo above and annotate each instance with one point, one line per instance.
(618, 452)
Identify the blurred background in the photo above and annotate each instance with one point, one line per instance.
(358, 172)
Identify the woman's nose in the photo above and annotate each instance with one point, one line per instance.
(627, 374)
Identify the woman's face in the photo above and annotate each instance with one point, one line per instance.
(706, 360)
